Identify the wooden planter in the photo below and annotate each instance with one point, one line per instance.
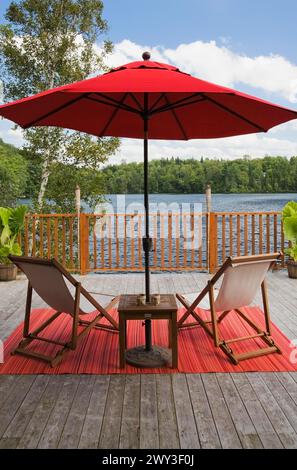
(8, 272)
(292, 268)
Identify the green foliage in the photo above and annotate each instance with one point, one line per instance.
(11, 223)
(13, 175)
(289, 216)
(48, 43)
(244, 175)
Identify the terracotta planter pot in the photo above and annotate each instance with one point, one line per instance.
(8, 272)
(292, 268)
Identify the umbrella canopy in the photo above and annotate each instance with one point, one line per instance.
(179, 106)
(148, 100)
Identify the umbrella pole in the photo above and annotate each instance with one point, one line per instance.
(147, 242)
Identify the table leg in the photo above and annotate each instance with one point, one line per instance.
(169, 334)
(174, 340)
(122, 341)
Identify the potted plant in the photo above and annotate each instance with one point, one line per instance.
(289, 216)
(11, 223)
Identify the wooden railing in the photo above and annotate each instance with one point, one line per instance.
(181, 241)
(243, 233)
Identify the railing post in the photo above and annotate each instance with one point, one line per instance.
(212, 242)
(83, 243)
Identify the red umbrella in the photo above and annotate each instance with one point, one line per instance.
(145, 100)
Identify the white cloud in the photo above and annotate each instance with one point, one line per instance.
(270, 74)
(10, 135)
(229, 148)
(218, 63)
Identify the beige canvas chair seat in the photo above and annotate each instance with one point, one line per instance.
(242, 278)
(64, 294)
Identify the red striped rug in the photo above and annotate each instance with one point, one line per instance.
(98, 352)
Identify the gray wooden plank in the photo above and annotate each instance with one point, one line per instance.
(90, 434)
(289, 383)
(243, 424)
(36, 425)
(186, 423)
(207, 430)
(277, 417)
(110, 431)
(23, 415)
(260, 419)
(149, 435)
(73, 427)
(168, 430)
(14, 400)
(9, 443)
(7, 383)
(130, 425)
(55, 424)
(284, 400)
(225, 426)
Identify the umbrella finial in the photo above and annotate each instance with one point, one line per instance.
(146, 55)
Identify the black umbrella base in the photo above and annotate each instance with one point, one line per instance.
(155, 357)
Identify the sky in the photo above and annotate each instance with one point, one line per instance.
(250, 45)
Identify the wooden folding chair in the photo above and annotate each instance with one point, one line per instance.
(242, 277)
(47, 278)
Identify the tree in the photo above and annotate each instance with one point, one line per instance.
(48, 43)
(13, 175)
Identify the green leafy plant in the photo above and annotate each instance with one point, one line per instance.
(11, 223)
(289, 216)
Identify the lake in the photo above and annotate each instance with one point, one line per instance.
(220, 202)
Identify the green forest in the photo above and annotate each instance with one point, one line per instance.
(175, 175)
(20, 174)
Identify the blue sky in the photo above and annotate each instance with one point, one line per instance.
(246, 44)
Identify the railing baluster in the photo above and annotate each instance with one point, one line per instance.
(192, 240)
(63, 241)
(94, 222)
(125, 241)
(162, 237)
(246, 247)
(117, 240)
(185, 251)
(200, 240)
(169, 220)
(260, 234)
(282, 242)
(223, 219)
(238, 228)
(155, 217)
(230, 235)
(109, 242)
(267, 233)
(177, 226)
(71, 260)
(275, 232)
(56, 238)
(253, 234)
(102, 241)
(139, 241)
(33, 235)
(48, 233)
(132, 241)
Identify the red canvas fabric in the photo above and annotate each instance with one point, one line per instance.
(213, 111)
(98, 352)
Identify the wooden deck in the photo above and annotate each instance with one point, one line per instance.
(251, 410)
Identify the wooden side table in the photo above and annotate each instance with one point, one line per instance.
(139, 356)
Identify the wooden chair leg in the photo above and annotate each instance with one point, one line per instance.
(75, 317)
(28, 311)
(214, 319)
(266, 307)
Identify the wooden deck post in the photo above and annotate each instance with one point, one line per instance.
(213, 242)
(208, 197)
(84, 243)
